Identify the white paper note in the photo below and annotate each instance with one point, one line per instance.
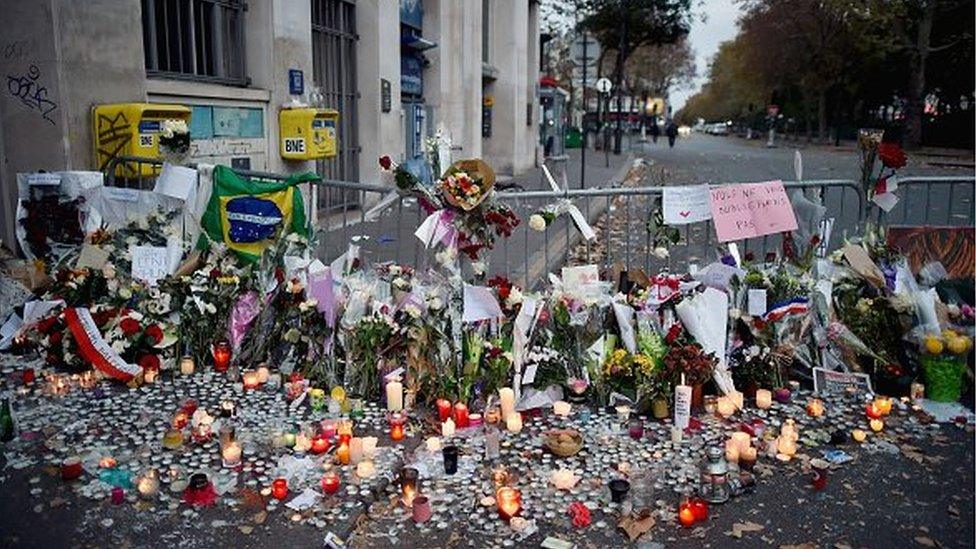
(149, 263)
(176, 181)
(757, 302)
(479, 304)
(683, 205)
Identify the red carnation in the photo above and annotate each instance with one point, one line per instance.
(673, 333)
(130, 326)
(149, 362)
(386, 162)
(891, 155)
(155, 333)
(215, 273)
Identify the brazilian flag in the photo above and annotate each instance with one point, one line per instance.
(248, 215)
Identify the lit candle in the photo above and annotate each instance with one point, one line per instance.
(397, 423)
(764, 399)
(394, 395)
(514, 422)
(355, 450)
(443, 409)
(561, 408)
(365, 469)
(369, 447)
(328, 427)
(815, 407)
(263, 373)
(509, 502)
(148, 485)
(107, 462)
(725, 407)
(330, 482)
(506, 397)
(883, 404)
(250, 379)
(873, 411)
(344, 428)
(149, 375)
(461, 415)
(747, 458)
(279, 488)
(859, 435)
(876, 425)
(433, 444)
(742, 440)
(447, 428)
(564, 479)
(232, 455)
(738, 399)
(302, 443)
(686, 515)
(320, 444)
(172, 439)
(409, 484)
(221, 355)
(187, 365)
(342, 452)
(731, 451)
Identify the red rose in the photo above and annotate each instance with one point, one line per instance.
(215, 273)
(386, 162)
(55, 338)
(149, 362)
(129, 326)
(155, 333)
(891, 155)
(881, 186)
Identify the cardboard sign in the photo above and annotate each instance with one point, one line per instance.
(827, 381)
(91, 257)
(149, 263)
(748, 210)
(683, 205)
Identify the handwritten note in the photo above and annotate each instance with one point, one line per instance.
(479, 304)
(575, 278)
(92, 257)
(826, 381)
(149, 263)
(683, 205)
(44, 179)
(747, 210)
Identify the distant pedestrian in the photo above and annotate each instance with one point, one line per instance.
(655, 130)
(672, 131)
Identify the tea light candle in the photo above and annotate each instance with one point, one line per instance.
(764, 399)
(279, 488)
(330, 482)
(443, 409)
(741, 440)
(883, 404)
(461, 419)
(250, 380)
(187, 365)
(725, 407)
(263, 373)
(506, 397)
(149, 375)
(873, 411)
(509, 502)
(342, 452)
(433, 444)
(397, 422)
(232, 454)
(561, 408)
(369, 447)
(564, 479)
(514, 423)
(172, 439)
(394, 395)
(365, 469)
(876, 425)
(731, 451)
(447, 428)
(859, 435)
(107, 462)
(409, 484)
(344, 428)
(738, 399)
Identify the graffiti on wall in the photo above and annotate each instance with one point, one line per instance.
(31, 92)
(114, 133)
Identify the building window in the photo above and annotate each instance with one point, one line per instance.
(195, 40)
(485, 30)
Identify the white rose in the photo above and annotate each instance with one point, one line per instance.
(436, 304)
(661, 252)
(412, 310)
(395, 270)
(478, 267)
(537, 222)
(515, 296)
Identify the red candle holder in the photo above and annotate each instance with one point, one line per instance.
(330, 483)
(28, 376)
(461, 415)
(700, 508)
(686, 514)
(873, 411)
(398, 422)
(279, 488)
(320, 444)
(71, 468)
(509, 502)
(443, 409)
(221, 355)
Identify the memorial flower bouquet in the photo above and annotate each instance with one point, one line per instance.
(174, 137)
(367, 344)
(690, 361)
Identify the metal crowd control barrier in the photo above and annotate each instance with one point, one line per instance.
(383, 228)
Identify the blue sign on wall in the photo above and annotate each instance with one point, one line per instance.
(296, 82)
(411, 74)
(412, 13)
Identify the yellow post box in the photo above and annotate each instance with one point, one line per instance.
(131, 129)
(308, 133)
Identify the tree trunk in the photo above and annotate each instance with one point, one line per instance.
(915, 107)
(822, 115)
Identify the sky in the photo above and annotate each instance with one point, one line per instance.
(705, 36)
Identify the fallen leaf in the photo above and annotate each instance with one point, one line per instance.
(740, 528)
(926, 541)
(953, 510)
(635, 528)
(260, 517)
(245, 529)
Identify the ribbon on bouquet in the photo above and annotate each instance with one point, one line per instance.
(566, 205)
(93, 347)
(438, 227)
(662, 289)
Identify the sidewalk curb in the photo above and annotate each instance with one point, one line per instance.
(557, 249)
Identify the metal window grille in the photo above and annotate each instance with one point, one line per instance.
(334, 41)
(199, 40)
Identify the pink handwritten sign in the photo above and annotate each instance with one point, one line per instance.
(747, 210)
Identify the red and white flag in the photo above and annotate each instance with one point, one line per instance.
(93, 347)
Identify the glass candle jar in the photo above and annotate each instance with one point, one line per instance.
(221, 355)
